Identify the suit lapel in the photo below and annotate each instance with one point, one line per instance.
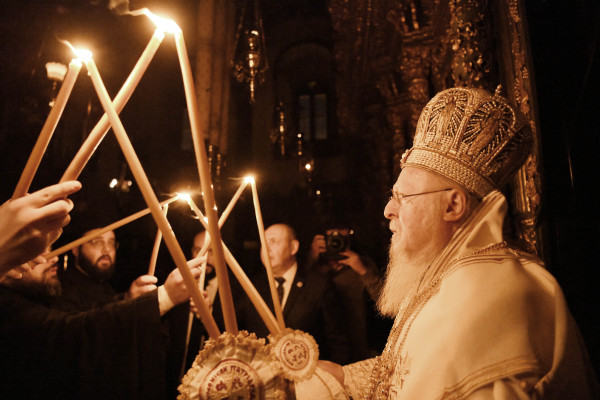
(295, 291)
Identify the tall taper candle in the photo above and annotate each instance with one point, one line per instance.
(263, 242)
(157, 241)
(47, 130)
(97, 134)
(150, 198)
(207, 188)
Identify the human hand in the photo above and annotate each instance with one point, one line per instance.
(143, 284)
(18, 272)
(353, 261)
(33, 222)
(317, 247)
(175, 285)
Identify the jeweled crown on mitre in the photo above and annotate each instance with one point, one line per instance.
(472, 137)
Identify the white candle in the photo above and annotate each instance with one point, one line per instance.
(268, 267)
(157, 240)
(47, 130)
(223, 217)
(150, 198)
(261, 307)
(97, 134)
(207, 188)
(98, 232)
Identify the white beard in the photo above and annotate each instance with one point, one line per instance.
(401, 275)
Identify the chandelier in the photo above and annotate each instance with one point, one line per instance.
(250, 61)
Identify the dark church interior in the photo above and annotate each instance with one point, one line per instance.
(320, 121)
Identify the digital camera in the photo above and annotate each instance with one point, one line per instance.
(335, 243)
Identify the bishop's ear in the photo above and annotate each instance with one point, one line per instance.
(456, 206)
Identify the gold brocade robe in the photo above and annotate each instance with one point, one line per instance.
(486, 322)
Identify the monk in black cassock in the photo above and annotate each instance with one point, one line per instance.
(112, 352)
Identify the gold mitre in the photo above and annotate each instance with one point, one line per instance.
(472, 137)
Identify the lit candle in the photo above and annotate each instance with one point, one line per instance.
(100, 231)
(207, 188)
(157, 240)
(224, 216)
(151, 200)
(268, 267)
(261, 307)
(233, 202)
(97, 134)
(47, 130)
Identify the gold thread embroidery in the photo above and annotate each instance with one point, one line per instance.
(385, 366)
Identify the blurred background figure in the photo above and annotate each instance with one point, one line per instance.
(357, 281)
(309, 300)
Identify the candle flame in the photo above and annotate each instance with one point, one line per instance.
(82, 55)
(165, 24)
(184, 196)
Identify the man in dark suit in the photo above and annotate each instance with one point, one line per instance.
(309, 300)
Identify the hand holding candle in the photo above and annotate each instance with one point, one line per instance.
(150, 197)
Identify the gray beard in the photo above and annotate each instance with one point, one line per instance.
(400, 278)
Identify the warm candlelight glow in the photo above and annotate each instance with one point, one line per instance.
(249, 179)
(150, 198)
(97, 134)
(83, 55)
(184, 196)
(165, 24)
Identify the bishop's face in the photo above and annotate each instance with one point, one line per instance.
(417, 234)
(415, 221)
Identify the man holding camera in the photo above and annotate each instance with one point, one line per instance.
(333, 252)
(309, 301)
(355, 278)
